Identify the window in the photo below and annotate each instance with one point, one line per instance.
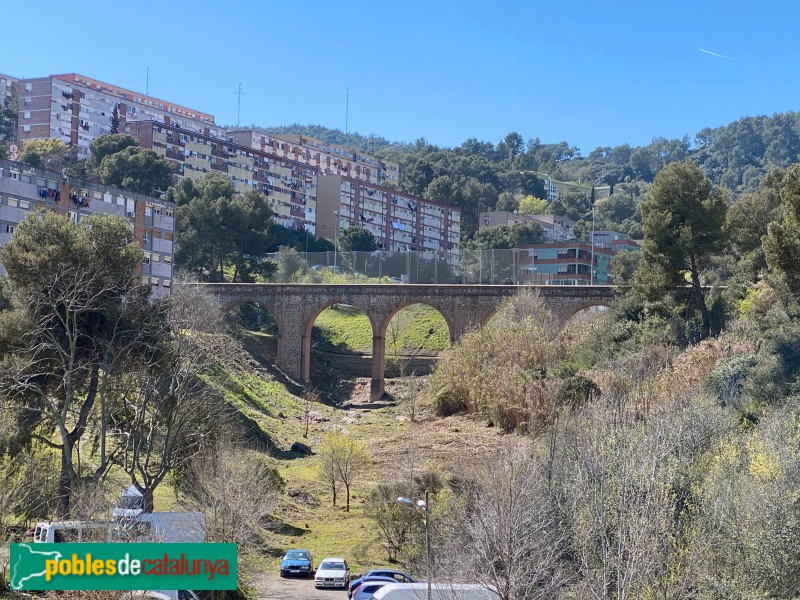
(9, 229)
(148, 210)
(167, 259)
(24, 204)
(156, 257)
(28, 87)
(146, 259)
(27, 114)
(26, 128)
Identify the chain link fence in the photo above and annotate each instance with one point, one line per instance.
(487, 267)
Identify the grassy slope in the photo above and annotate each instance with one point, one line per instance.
(416, 327)
(247, 381)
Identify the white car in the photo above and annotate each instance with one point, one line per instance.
(332, 572)
(160, 595)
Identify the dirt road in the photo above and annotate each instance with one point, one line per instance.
(273, 587)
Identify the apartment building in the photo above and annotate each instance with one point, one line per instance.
(563, 263)
(613, 240)
(7, 83)
(556, 228)
(553, 189)
(290, 185)
(24, 189)
(327, 159)
(399, 221)
(77, 109)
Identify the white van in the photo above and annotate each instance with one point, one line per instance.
(148, 527)
(439, 591)
(170, 527)
(56, 532)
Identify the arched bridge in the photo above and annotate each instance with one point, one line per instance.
(295, 307)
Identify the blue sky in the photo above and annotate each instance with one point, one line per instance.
(589, 73)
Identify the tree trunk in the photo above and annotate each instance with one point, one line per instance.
(147, 500)
(699, 299)
(65, 482)
(334, 493)
(347, 491)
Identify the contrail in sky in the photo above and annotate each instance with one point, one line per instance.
(717, 55)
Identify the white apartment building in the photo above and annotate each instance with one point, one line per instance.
(77, 109)
(327, 159)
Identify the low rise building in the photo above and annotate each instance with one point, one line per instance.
(24, 189)
(399, 221)
(564, 263)
(290, 185)
(556, 228)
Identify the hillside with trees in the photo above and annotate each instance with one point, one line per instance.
(482, 175)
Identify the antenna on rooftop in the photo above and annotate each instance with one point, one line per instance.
(239, 104)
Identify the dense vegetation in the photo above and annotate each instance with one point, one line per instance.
(479, 175)
(662, 458)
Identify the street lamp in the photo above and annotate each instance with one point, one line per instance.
(423, 504)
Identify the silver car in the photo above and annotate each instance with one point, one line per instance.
(332, 572)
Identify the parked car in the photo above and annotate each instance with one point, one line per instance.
(368, 586)
(161, 595)
(395, 280)
(297, 562)
(397, 576)
(332, 572)
(439, 591)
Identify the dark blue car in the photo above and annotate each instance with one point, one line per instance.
(397, 576)
(297, 562)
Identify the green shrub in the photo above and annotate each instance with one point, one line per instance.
(448, 402)
(726, 382)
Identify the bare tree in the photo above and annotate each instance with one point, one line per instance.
(309, 398)
(511, 540)
(167, 414)
(236, 490)
(399, 526)
(343, 459)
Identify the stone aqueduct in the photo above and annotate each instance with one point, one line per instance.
(295, 307)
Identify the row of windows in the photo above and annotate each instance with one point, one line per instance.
(154, 257)
(155, 281)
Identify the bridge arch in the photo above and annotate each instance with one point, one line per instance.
(378, 383)
(295, 307)
(572, 311)
(308, 327)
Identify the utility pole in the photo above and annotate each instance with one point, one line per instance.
(591, 263)
(239, 104)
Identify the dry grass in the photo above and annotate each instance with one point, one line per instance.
(659, 376)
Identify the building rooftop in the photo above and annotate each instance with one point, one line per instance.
(127, 94)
